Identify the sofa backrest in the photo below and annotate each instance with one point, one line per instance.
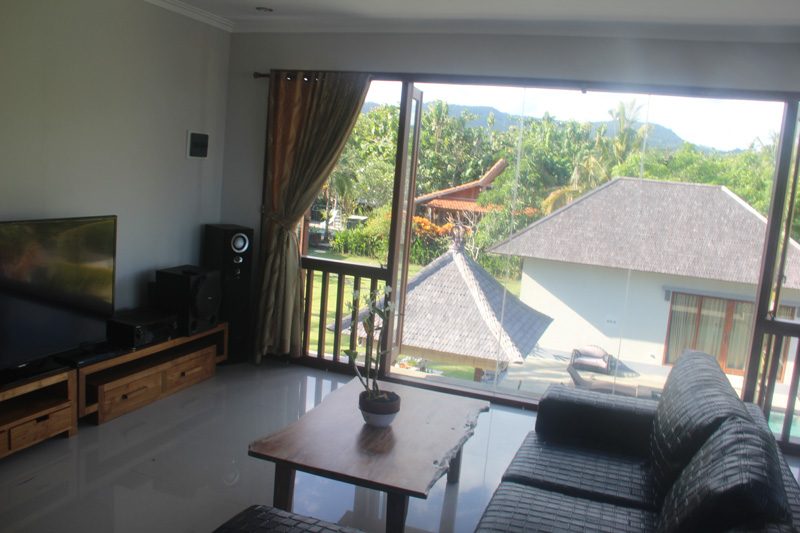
(733, 480)
(696, 399)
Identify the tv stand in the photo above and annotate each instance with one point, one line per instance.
(112, 387)
(36, 408)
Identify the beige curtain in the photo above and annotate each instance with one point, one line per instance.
(310, 118)
(682, 325)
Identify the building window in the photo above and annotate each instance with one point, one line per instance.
(716, 326)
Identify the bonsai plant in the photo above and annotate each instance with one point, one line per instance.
(377, 407)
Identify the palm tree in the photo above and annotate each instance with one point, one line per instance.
(595, 166)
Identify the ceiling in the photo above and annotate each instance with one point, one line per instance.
(741, 20)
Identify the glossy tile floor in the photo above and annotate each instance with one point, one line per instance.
(181, 464)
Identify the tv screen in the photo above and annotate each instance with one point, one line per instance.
(67, 261)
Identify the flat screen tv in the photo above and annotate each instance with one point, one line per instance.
(56, 285)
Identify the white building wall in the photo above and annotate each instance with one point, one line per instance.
(624, 312)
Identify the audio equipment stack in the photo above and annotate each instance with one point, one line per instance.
(192, 293)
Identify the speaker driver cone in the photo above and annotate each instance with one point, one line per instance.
(240, 243)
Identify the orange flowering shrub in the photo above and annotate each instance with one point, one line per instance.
(430, 240)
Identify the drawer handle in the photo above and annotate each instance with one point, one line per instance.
(195, 370)
(42, 418)
(134, 393)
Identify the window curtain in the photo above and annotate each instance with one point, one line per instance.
(310, 116)
(740, 336)
(712, 326)
(682, 325)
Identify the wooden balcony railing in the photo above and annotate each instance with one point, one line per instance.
(778, 381)
(327, 280)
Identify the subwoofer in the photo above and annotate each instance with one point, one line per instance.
(192, 293)
(229, 249)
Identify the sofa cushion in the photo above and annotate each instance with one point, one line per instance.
(697, 398)
(516, 508)
(733, 480)
(583, 471)
(597, 420)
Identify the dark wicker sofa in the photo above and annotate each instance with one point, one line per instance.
(699, 459)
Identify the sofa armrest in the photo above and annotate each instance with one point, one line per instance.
(616, 423)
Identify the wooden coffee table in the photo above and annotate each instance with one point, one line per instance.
(403, 460)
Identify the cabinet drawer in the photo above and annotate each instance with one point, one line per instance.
(39, 429)
(190, 369)
(5, 445)
(115, 400)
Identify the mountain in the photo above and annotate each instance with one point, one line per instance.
(660, 137)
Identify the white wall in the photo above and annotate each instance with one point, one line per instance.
(671, 63)
(95, 101)
(625, 313)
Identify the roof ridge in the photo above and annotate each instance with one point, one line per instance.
(490, 319)
(668, 182)
(490, 175)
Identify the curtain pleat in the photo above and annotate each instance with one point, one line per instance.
(310, 116)
(682, 325)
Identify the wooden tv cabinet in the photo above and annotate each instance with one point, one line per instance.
(110, 388)
(37, 408)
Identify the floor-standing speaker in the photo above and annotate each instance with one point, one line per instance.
(192, 293)
(229, 249)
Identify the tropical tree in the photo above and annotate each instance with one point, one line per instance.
(452, 149)
(364, 175)
(595, 165)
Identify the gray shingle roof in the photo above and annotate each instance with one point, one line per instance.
(684, 229)
(453, 305)
(455, 308)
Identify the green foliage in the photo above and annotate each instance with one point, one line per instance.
(364, 175)
(452, 152)
(370, 239)
(358, 241)
(494, 227)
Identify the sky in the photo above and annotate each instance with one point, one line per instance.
(720, 124)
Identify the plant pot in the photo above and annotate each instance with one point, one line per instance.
(379, 411)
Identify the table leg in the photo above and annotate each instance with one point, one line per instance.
(284, 487)
(454, 472)
(396, 510)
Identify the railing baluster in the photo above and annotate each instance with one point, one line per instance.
(789, 418)
(774, 361)
(354, 315)
(342, 269)
(337, 328)
(323, 314)
(307, 317)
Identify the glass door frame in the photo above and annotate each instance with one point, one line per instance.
(400, 230)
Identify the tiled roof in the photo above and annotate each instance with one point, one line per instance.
(457, 205)
(481, 183)
(683, 229)
(454, 307)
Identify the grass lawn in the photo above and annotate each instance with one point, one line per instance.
(448, 370)
(453, 371)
